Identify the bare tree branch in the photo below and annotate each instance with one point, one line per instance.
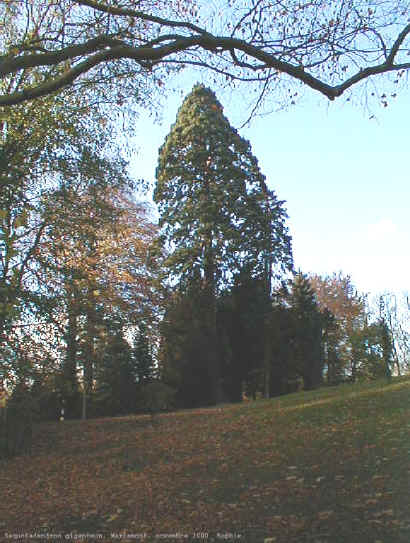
(397, 44)
(123, 12)
(312, 49)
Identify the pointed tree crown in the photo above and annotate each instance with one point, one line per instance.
(210, 193)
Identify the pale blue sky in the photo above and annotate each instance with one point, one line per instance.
(345, 179)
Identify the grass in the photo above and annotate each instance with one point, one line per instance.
(327, 466)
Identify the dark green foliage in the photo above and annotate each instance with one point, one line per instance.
(144, 366)
(217, 218)
(16, 424)
(283, 373)
(241, 327)
(185, 350)
(296, 338)
(55, 391)
(373, 351)
(332, 360)
(47, 397)
(155, 397)
(214, 206)
(116, 384)
(386, 344)
(307, 329)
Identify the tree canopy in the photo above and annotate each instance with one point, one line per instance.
(329, 46)
(216, 212)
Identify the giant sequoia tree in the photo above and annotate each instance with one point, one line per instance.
(215, 209)
(216, 213)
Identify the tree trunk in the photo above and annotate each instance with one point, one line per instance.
(210, 308)
(267, 356)
(89, 351)
(70, 362)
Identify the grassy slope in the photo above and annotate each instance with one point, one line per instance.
(324, 466)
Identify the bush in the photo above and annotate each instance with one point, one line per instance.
(16, 425)
(155, 397)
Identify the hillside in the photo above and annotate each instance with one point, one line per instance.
(325, 466)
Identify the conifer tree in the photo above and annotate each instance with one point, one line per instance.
(212, 197)
(142, 354)
(307, 331)
(241, 327)
(115, 376)
(216, 214)
(184, 354)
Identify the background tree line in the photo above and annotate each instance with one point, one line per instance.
(76, 273)
(97, 301)
(238, 318)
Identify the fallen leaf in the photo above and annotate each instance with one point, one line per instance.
(323, 515)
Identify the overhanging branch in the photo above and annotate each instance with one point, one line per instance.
(397, 44)
(104, 49)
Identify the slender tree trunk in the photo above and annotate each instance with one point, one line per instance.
(268, 264)
(210, 328)
(70, 363)
(354, 368)
(211, 305)
(267, 350)
(89, 351)
(267, 356)
(394, 352)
